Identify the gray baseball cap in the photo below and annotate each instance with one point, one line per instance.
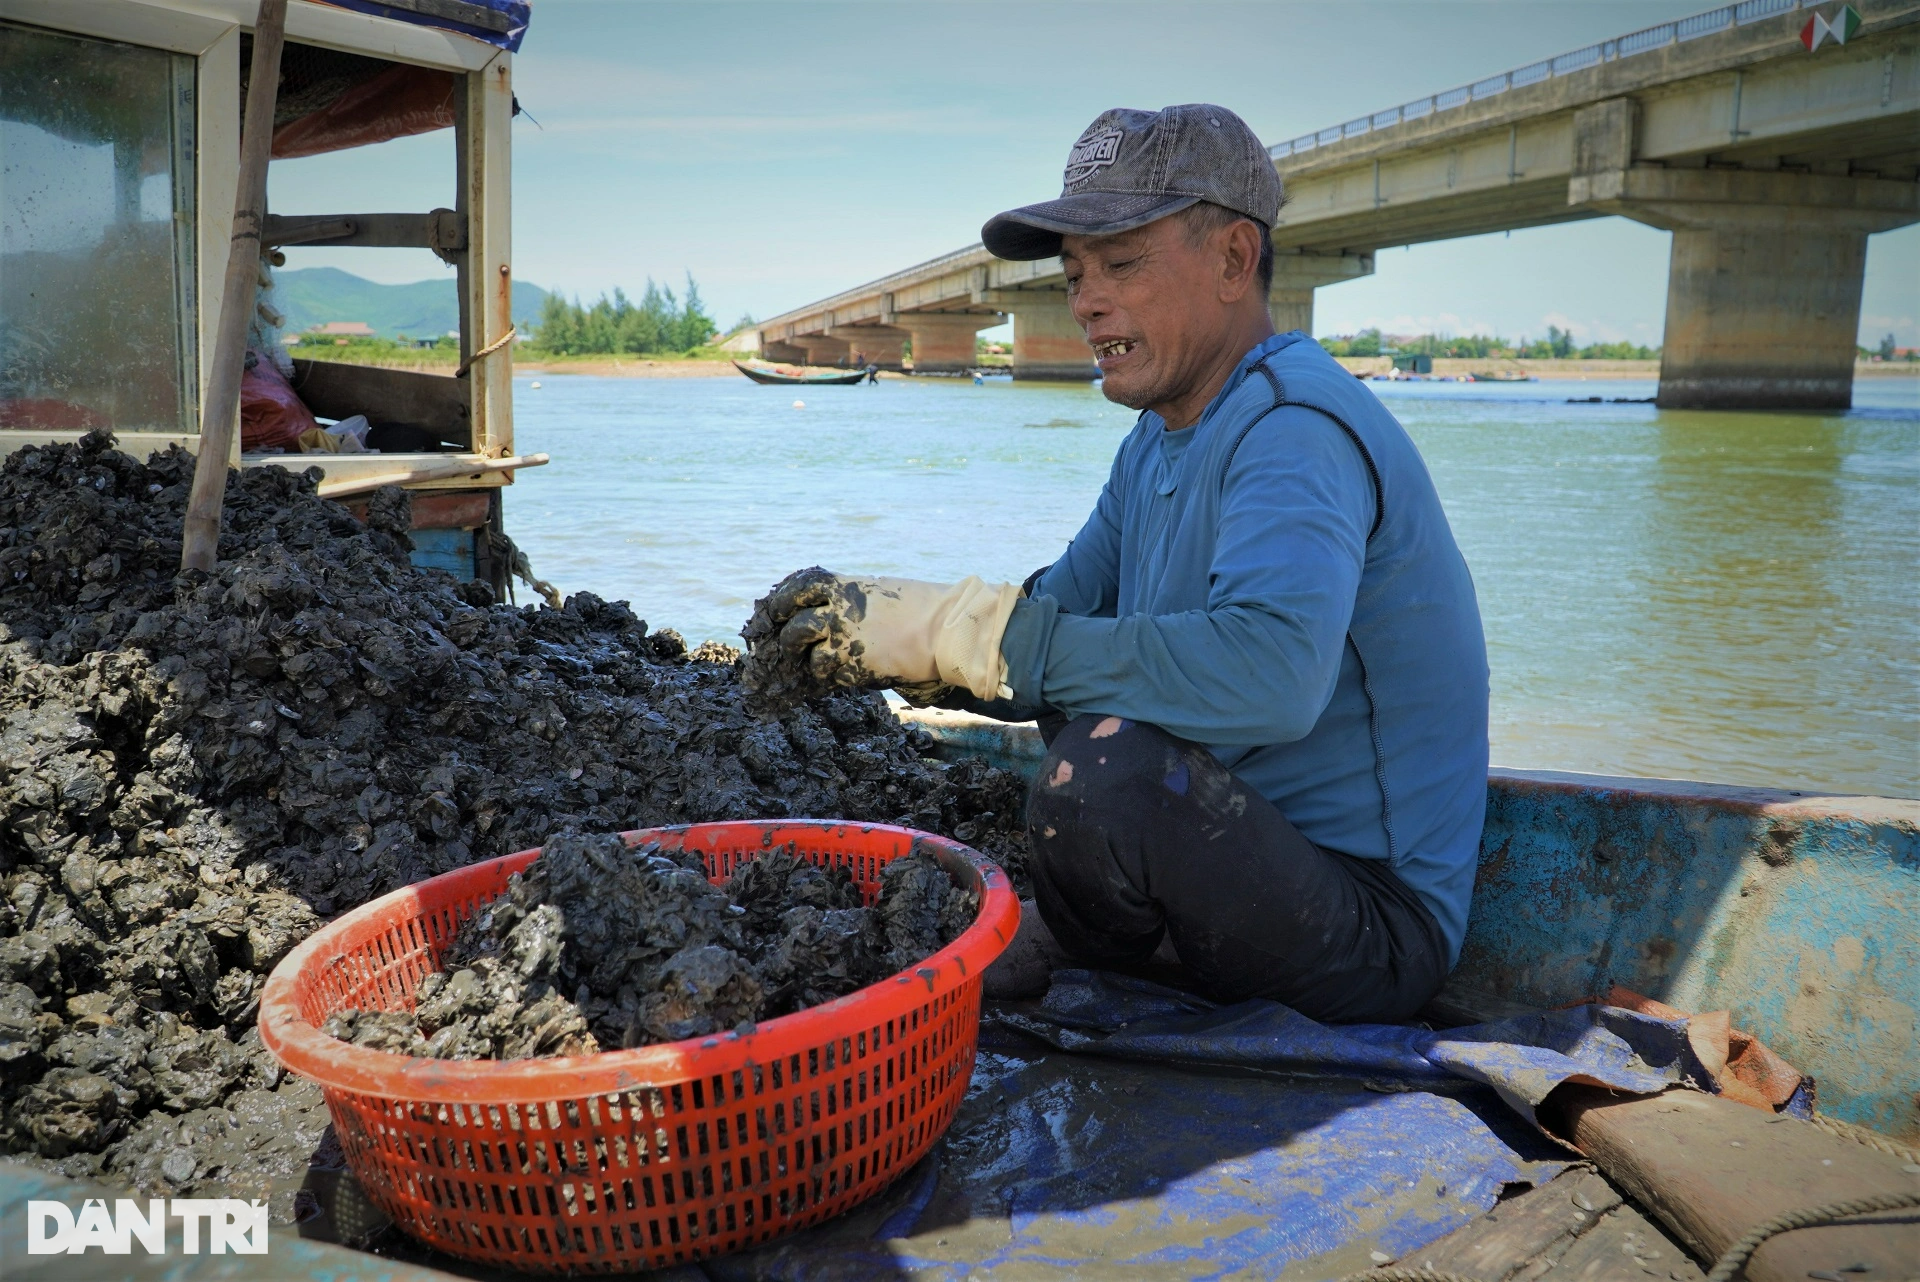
(1132, 167)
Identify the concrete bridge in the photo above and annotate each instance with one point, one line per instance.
(1771, 162)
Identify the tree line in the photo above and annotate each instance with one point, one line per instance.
(659, 322)
(1889, 350)
(1558, 344)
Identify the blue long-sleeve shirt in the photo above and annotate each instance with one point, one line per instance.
(1279, 582)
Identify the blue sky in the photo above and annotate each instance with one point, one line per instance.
(784, 152)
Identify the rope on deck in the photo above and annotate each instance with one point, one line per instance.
(1861, 1135)
(1731, 1262)
(1735, 1258)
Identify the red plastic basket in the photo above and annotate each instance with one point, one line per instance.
(659, 1155)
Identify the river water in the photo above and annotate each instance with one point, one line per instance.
(1718, 596)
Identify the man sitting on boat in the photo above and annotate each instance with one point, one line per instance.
(1259, 665)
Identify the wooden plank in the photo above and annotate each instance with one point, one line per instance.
(407, 398)
(440, 230)
(488, 280)
(463, 510)
(1519, 1231)
(1625, 1245)
(462, 155)
(1712, 1169)
(452, 510)
(439, 471)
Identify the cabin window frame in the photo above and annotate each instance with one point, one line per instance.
(195, 47)
(181, 26)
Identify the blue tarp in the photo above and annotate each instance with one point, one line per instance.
(498, 22)
(1522, 1059)
(1119, 1128)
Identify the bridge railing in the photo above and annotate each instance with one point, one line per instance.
(1627, 46)
(919, 271)
(1635, 42)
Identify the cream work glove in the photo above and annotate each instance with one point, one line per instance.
(914, 636)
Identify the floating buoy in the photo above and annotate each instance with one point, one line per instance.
(535, 385)
(799, 405)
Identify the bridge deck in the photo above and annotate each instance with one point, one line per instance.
(1731, 88)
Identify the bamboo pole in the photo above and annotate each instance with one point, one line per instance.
(220, 407)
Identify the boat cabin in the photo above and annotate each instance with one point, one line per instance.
(120, 132)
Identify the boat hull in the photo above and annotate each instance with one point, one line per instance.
(775, 378)
(1795, 913)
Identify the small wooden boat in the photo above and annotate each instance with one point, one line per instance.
(796, 378)
(1786, 915)
(1120, 1129)
(1794, 911)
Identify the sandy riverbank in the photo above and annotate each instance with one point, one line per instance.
(1579, 369)
(1575, 369)
(600, 367)
(642, 367)
(629, 367)
(634, 367)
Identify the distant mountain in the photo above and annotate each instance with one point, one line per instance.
(424, 309)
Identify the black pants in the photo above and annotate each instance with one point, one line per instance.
(1136, 834)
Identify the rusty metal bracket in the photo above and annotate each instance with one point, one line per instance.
(447, 235)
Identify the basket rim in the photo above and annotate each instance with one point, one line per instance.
(333, 1064)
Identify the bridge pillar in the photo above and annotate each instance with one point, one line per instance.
(943, 341)
(1048, 343)
(822, 350)
(1759, 318)
(786, 353)
(872, 345)
(1764, 279)
(1296, 275)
